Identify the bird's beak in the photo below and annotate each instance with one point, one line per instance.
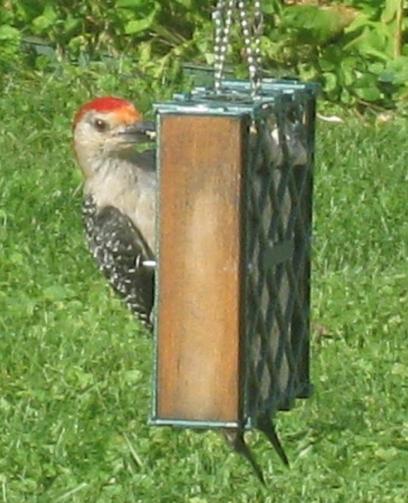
(138, 132)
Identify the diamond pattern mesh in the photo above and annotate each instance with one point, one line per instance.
(278, 229)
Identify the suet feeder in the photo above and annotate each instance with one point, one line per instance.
(234, 229)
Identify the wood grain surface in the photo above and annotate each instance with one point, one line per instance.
(201, 251)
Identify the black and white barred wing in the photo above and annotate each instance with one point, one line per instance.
(119, 249)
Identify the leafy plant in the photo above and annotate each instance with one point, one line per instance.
(351, 49)
(356, 49)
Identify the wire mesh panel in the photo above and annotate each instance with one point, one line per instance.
(279, 186)
(275, 207)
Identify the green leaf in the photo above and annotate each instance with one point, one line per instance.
(396, 71)
(271, 7)
(369, 93)
(377, 68)
(347, 72)
(140, 25)
(316, 24)
(327, 65)
(46, 20)
(371, 42)
(390, 10)
(9, 33)
(71, 24)
(330, 82)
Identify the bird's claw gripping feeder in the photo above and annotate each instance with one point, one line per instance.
(235, 168)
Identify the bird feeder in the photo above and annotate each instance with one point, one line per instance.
(234, 225)
(234, 235)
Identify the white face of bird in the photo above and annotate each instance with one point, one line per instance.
(106, 128)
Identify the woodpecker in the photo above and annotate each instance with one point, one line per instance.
(119, 215)
(119, 197)
(236, 440)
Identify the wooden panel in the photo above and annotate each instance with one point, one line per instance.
(201, 245)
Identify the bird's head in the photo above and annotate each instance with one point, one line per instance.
(107, 128)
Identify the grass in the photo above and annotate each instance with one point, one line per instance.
(75, 370)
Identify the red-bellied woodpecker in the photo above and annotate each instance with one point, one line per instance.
(119, 197)
(236, 440)
(119, 214)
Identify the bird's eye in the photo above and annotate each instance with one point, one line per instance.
(101, 125)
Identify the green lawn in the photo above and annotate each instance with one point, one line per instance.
(76, 370)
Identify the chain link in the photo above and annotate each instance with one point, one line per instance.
(258, 31)
(251, 31)
(222, 18)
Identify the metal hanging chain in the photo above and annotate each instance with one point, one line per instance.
(252, 42)
(223, 20)
(222, 17)
(258, 31)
